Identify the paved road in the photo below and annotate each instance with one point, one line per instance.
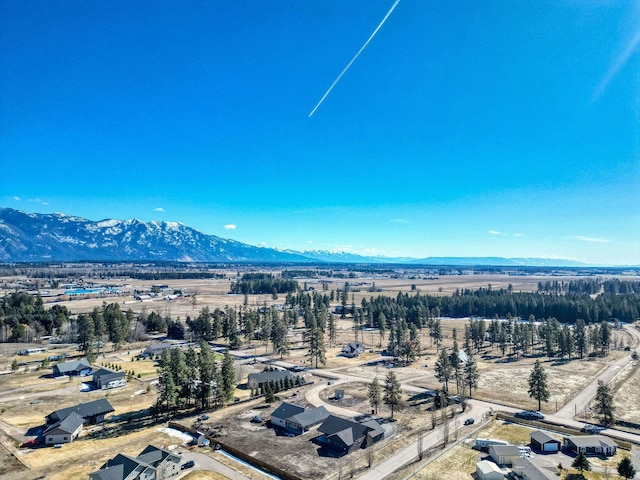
(205, 462)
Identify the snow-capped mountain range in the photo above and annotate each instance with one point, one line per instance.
(35, 237)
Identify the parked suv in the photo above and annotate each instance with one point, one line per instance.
(529, 415)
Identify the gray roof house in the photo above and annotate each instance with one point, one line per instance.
(296, 419)
(345, 436)
(302, 422)
(90, 412)
(528, 470)
(591, 445)
(504, 454)
(105, 378)
(152, 464)
(63, 431)
(73, 367)
(543, 442)
(353, 349)
(284, 411)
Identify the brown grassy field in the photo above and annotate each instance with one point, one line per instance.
(203, 475)
(214, 293)
(626, 394)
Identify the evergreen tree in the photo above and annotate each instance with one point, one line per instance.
(436, 333)
(228, 373)
(374, 392)
(581, 463)
(443, 369)
(471, 375)
(456, 365)
(538, 389)
(206, 374)
(625, 468)
(580, 337)
(604, 402)
(392, 394)
(314, 337)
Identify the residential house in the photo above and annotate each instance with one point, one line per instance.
(591, 445)
(296, 419)
(345, 436)
(486, 470)
(543, 442)
(74, 367)
(302, 422)
(63, 431)
(156, 349)
(504, 454)
(105, 379)
(90, 412)
(283, 412)
(528, 470)
(353, 349)
(152, 464)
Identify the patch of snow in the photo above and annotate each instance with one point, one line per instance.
(172, 432)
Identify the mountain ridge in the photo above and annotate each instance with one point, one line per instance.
(41, 237)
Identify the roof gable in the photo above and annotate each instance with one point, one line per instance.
(85, 410)
(72, 366)
(310, 417)
(287, 410)
(69, 424)
(542, 437)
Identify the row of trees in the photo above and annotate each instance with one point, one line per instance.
(505, 303)
(260, 283)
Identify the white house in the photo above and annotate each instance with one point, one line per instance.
(64, 431)
(486, 470)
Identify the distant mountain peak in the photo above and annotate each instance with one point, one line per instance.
(35, 237)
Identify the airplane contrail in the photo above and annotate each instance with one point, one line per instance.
(355, 56)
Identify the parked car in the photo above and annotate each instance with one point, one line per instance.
(188, 464)
(588, 428)
(203, 417)
(529, 415)
(256, 419)
(469, 421)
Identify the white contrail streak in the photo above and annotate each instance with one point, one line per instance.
(355, 56)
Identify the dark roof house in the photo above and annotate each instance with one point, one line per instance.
(105, 378)
(303, 421)
(543, 442)
(153, 463)
(345, 436)
(74, 367)
(286, 410)
(91, 412)
(353, 349)
(63, 431)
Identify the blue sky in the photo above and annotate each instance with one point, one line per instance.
(465, 128)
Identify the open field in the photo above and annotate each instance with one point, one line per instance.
(214, 292)
(203, 475)
(626, 394)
